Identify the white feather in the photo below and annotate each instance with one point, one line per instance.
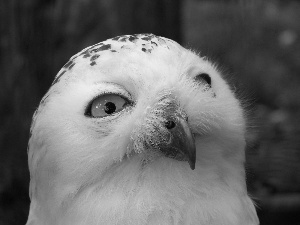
(98, 170)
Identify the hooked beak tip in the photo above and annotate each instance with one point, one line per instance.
(182, 139)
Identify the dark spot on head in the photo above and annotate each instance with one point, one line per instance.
(93, 63)
(68, 64)
(85, 53)
(105, 47)
(123, 39)
(102, 48)
(132, 38)
(94, 57)
(70, 67)
(147, 50)
(113, 50)
(146, 38)
(58, 77)
(154, 43)
(94, 50)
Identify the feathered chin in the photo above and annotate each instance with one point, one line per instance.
(165, 191)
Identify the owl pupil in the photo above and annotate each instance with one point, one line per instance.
(109, 108)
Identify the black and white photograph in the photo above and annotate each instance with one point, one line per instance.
(150, 112)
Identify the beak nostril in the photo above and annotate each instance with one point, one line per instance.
(170, 124)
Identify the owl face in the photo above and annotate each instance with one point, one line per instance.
(128, 105)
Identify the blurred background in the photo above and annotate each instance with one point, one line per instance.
(256, 43)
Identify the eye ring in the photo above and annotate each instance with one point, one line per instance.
(107, 104)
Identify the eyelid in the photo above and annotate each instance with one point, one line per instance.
(120, 91)
(89, 105)
(107, 90)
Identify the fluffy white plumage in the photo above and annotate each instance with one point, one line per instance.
(123, 168)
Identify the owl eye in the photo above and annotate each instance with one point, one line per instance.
(203, 78)
(106, 105)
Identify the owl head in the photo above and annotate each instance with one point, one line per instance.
(134, 117)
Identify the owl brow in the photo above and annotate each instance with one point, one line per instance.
(117, 86)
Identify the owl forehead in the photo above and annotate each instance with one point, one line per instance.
(144, 43)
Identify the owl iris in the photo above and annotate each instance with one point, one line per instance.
(106, 105)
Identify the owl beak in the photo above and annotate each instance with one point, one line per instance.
(181, 144)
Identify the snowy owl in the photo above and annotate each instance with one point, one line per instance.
(138, 130)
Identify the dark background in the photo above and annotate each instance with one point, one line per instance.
(255, 42)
